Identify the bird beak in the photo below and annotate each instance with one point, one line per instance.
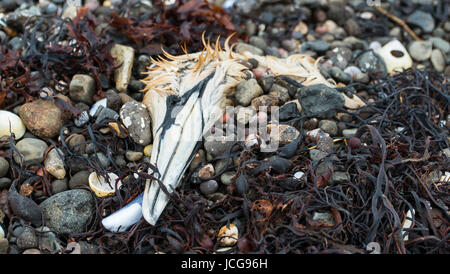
(177, 131)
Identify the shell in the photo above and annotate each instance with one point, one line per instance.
(228, 235)
(128, 215)
(17, 126)
(100, 187)
(2, 232)
(395, 56)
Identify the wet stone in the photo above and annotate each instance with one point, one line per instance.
(82, 88)
(27, 239)
(5, 183)
(317, 45)
(79, 179)
(329, 127)
(68, 211)
(32, 151)
(281, 93)
(246, 91)
(421, 19)
(133, 156)
(136, 119)
(317, 155)
(340, 76)
(59, 186)
(289, 111)
(227, 177)
(320, 100)
(371, 63)
(4, 166)
(209, 187)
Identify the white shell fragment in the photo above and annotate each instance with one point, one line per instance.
(2, 233)
(8, 119)
(95, 106)
(101, 187)
(125, 217)
(228, 235)
(395, 56)
(373, 248)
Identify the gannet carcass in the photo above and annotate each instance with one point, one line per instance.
(185, 95)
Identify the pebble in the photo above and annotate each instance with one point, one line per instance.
(54, 164)
(209, 187)
(317, 155)
(68, 211)
(349, 132)
(324, 218)
(218, 145)
(27, 239)
(317, 45)
(227, 177)
(113, 100)
(289, 111)
(59, 186)
(340, 56)
(43, 118)
(133, 156)
(4, 166)
(136, 119)
(246, 91)
(32, 151)
(437, 60)
(81, 178)
(420, 50)
(82, 88)
(75, 142)
(320, 100)
(369, 63)
(241, 48)
(4, 245)
(339, 177)
(264, 103)
(10, 122)
(124, 56)
(32, 251)
(258, 42)
(298, 175)
(282, 134)
(243, 114)
(441, 44)
(281, 93)
(340, 76)
(104, 161)
(421, 19)
(5, 183)
(100, 103)
(329, 127)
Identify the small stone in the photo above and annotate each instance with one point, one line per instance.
(339, 177)
(282, 134)
(340, 76)
(420, 50)
(54, 164)
(281, 93)
(4, 245)
(246, 91)
(32, 251)
(264, 103)
(437, 60)
(123, 56)
(209, 187)
(133, 156)
(352, 27)
(68, 211)
(82, 88)
(241, 48)
(104, 161)
(32, 151)
(148, 150)
(5, 183)
(350, 132)
(136, 119)
(371, 63)
(421, 19)
(80, 178)
(317, 155)
(227, 177)
(105, 113)
(258, 42)
(70, 12)
(206, 171)
(43, 118)
(125, 98)
(362, 78)
(325, 219)
(317, 45)
(25, 208)
(4, 166)
(320, 100)
(59, 186)
(441, 44)
(10, 122)
(218, 145)
(75, 142)
(82, 119)
(329, 127)
(243, 114)
(113, 100)
(289, 111)
(27, 239)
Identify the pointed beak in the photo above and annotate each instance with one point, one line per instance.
(177, 136)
